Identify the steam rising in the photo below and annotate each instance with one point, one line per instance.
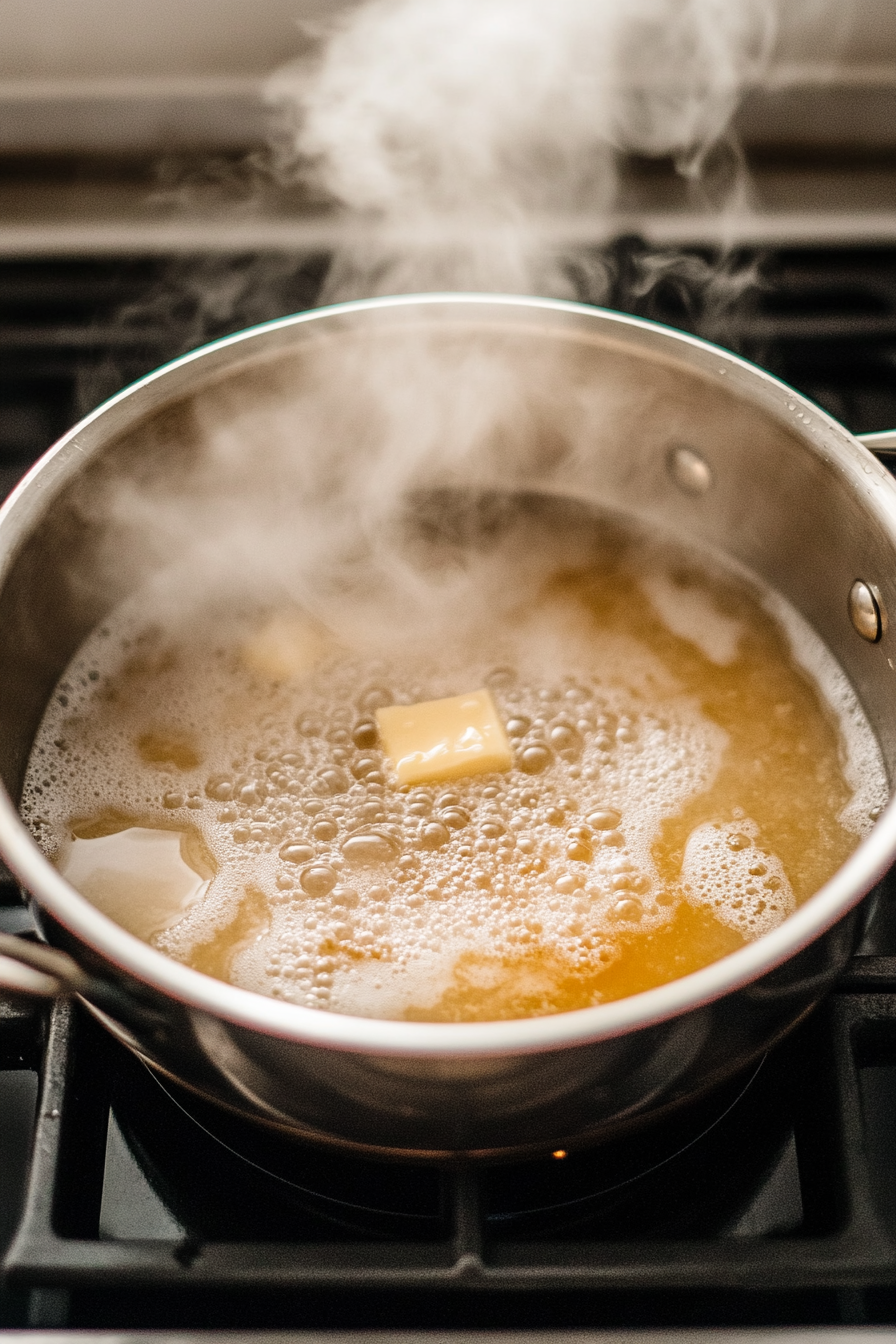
(459, 135)
(289, 486)
(466, 134)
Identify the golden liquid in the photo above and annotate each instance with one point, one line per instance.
(490, 897)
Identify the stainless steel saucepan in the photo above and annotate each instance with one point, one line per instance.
(682, 436)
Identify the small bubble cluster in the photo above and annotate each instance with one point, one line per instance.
(726, 868)
(367, 880)
(373, 893)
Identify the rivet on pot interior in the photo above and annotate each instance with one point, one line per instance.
(690, 472)
(866, 611)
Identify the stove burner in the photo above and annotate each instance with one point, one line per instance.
(689, 1173)
(225, 1178)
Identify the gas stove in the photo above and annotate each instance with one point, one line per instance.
(771, 1202)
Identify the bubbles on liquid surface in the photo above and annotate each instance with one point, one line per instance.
(726, 869)
(372, 899)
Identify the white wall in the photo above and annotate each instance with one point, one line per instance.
(129, 75)
(68, 39)
(64, 39)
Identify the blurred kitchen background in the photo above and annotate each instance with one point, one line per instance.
(93, 95)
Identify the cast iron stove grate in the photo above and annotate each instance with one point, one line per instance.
(776, 1205)
(783, 1211)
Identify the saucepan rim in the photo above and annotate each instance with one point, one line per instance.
(246, 1009)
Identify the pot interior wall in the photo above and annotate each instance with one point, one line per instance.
(553, 401)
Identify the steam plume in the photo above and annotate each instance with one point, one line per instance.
(466, 134)
(459, 135)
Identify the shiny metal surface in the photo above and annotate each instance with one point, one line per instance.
(883, 443)
(794, 498)
(18, 978)
(41, 972)
(865, 611)
(689, 470)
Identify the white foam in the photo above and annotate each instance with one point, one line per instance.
(649, 763)
(726, 869)
(861, 759)
(386, 938)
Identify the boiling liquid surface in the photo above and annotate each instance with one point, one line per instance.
(682, 779)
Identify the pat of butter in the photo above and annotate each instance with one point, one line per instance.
(286, 646)
(137, 877)
(444, 739)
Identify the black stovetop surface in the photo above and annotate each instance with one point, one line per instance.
(772, 1202)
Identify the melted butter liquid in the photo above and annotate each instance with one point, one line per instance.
(679, 785)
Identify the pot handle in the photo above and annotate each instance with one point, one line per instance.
(882, 445)
(39, 971)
